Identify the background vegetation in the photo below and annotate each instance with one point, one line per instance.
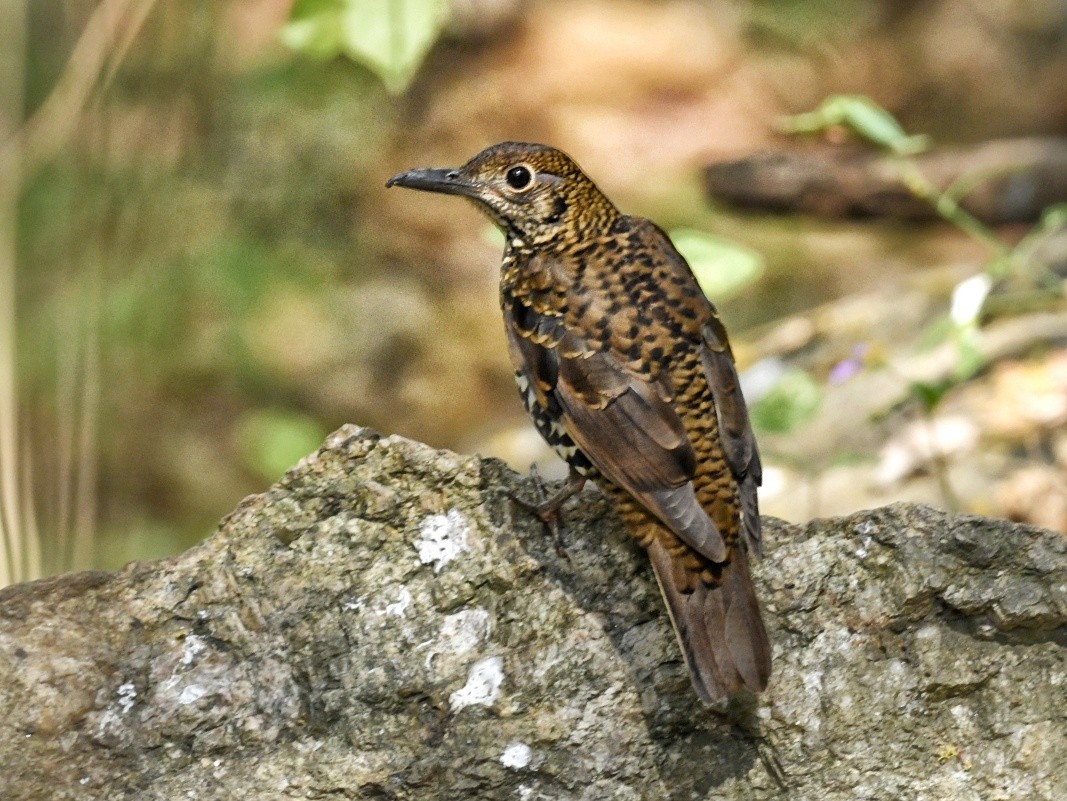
(201, 273)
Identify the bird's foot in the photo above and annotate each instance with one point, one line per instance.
(547, 509)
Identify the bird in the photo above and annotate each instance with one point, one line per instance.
(626, 370)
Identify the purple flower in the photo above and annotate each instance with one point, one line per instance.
(846, 368)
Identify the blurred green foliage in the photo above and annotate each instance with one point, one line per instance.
(793, 399)
(161, 243)
(271, 441)
(862, 116)
(722, 268)
(389, 37)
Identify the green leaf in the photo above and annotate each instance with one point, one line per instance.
(877, 125)
(969, 356)
(390, 37)
(938, 331)
(863, 116)
(794, 399)
(722, 268)
(270, 441)
(929, 394)
(1053, 219)
(314, 28)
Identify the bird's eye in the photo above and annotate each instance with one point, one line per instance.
(519, 177)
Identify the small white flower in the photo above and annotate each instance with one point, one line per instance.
(968, 298)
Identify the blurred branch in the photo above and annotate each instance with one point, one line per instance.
(33, 561)
(1010, 180)
(102, 46)
(12, 79)
(85, 502)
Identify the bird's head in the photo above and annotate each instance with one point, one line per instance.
(532, 192)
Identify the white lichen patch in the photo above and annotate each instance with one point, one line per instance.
(401, 604)
(127, 696)
(191, 694)
(111, 719)
(442, 538)
(516, 755)
(463, 631)
(483, 684)
(460, 633)
(193, 646)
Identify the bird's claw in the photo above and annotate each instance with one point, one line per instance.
(540, 506)
(547, 509)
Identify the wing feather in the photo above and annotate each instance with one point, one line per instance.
(623, 424)
(735, 428)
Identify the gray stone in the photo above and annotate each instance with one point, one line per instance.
(384, 623)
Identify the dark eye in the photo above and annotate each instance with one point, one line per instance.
(519, 177)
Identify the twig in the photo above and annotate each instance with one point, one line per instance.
(107, 35)
(100, 49)
(13, 33)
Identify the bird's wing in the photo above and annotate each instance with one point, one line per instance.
(623, 422)
(735, 429)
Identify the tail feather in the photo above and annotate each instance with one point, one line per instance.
(746, 637)
(708, 620)
(718, 623)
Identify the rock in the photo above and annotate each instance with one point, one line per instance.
(385, 624)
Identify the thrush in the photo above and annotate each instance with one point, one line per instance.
(627, 372)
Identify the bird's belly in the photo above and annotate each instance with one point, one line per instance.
(551, 430)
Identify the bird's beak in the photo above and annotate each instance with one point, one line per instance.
(445, 181)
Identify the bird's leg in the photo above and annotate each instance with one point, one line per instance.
(546, 508)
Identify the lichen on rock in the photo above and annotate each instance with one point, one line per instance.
(385, 623)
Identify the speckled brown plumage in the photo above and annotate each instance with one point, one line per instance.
(626, 370)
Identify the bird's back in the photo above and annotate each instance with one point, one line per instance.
(629, 294)
(627, 308)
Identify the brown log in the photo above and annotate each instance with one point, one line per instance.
(1014, 180)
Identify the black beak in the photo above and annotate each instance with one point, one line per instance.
(444, 181)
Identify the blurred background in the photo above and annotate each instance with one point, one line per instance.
(202, 274)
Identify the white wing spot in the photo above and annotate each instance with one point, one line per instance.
(567, 452)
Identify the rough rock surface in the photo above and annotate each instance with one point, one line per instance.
(385, 624)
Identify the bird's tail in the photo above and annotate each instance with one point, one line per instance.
(717, 620)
